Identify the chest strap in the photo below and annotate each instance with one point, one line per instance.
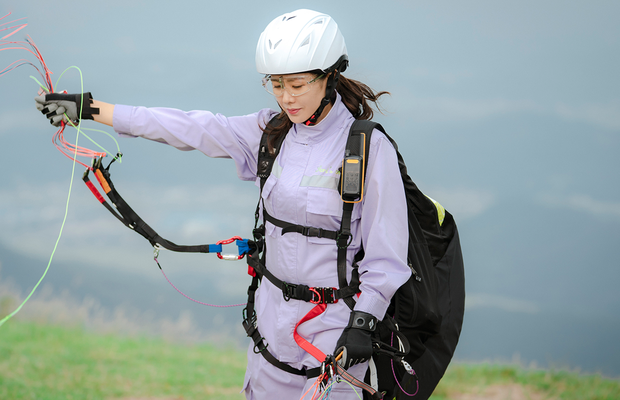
(309, 231)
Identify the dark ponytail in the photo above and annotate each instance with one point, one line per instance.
(356, 96)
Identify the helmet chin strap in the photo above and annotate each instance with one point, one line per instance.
(330, 95)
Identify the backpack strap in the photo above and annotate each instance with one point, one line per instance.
(265, 158)
(360, 130)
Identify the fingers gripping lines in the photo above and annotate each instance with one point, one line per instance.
(61, 107)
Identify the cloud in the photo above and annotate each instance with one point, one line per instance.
(463, 203)
(484, 300)
(603, 115)
(451, 109)
(583, 203)
(18, 121)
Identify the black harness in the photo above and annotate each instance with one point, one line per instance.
(256, 257)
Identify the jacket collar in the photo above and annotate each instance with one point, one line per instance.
(335, 121)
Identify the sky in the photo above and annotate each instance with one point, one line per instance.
(508, 113)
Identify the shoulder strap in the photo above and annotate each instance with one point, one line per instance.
(360, 129)
(265, 158)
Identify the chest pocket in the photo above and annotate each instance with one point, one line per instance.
(324, 210)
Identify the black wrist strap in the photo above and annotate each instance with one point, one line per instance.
(87, 110)
(362, 320)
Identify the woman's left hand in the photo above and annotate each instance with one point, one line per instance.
(355, 343)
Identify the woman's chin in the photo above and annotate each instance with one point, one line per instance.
(297, 119)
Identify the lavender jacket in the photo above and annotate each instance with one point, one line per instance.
(302, 189)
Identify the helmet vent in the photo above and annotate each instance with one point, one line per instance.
(306, 42)
(289, 18)
(273, 46)
(319, 22)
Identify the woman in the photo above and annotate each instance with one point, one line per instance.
(301, 55)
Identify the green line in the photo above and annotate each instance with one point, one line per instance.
(81, 130)
(40, 84)
(62, 226)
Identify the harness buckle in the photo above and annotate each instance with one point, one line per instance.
(312, 231)
(288, 290)
(323, 295)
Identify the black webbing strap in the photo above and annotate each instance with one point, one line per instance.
(131, 219)
(251, 328)
(360, 129)
(309, 231)
(316, 295)
(343, 243)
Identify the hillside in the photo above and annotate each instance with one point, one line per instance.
(39, 361)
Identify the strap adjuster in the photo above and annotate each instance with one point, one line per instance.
(344, 239)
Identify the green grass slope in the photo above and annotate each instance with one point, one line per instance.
(46, 362)
(49, 362)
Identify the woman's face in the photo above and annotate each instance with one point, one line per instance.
(299, 95)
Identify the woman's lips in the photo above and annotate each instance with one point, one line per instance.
(293, 111)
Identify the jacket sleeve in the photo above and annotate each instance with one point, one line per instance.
(213, 134)
(384, 229)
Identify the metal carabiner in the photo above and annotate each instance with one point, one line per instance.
(229, 257)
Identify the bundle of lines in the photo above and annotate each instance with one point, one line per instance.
(12, 27)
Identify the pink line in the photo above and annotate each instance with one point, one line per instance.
(196, 301)
(15, 31)
(396, 379)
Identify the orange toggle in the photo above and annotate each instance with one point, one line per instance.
(102, 181)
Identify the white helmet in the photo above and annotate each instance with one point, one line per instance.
(301, 41)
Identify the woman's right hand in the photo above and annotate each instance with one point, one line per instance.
(62, 107)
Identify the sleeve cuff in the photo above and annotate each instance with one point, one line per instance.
(121, 120)
(374, 305)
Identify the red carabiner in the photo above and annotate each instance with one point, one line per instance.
(229, 257)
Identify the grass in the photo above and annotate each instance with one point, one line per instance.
(546, 384)
(51, 362)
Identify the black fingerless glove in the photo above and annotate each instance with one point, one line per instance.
(59, 107)
(355, 343)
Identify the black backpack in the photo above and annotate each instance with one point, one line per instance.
(416, 340)
(428, 309)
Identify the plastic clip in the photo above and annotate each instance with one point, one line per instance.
(407, 367)
(156, 249)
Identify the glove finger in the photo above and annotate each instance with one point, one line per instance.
(40, 99)
(56, 120)
(343, 359)
(51, 107)
(56, 111)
